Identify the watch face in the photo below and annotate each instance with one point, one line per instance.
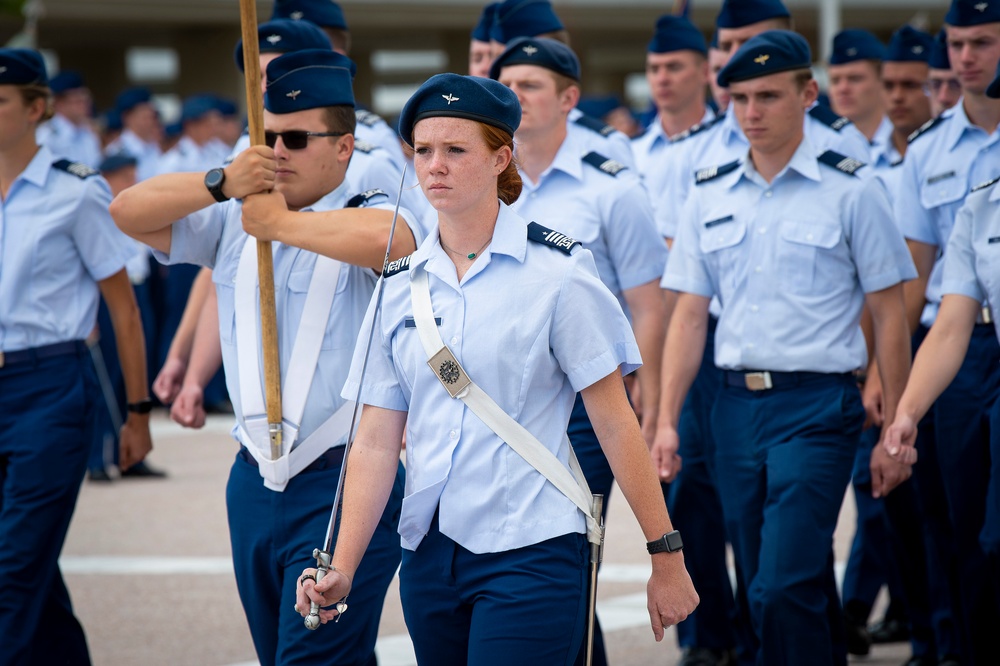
(213, 178)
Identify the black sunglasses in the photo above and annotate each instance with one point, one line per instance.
(295, 139)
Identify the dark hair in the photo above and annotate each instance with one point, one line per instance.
(340, 118)
(32, 92)
(802, 78)
(509, 181)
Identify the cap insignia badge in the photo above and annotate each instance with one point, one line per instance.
(450, 98)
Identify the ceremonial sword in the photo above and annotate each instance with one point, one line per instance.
(324, 556)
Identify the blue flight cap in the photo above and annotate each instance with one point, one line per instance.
(197, 107)
(598, 106)
(457, 96)
(676, 33)
(225, 106)
(65, 81)
(524, 18)
(909, 45)
(853, 44)
(768, 53)
(965, 13)
(20, 67)
(285, 36)
(739, 13)
(939, 52)
(481, 33)
(117, 161)
(131, 98)
(539, 51)
(308, 79)
(324, 13)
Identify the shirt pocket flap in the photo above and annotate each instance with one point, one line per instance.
(721, 236)
(813, 234)
(939, 190)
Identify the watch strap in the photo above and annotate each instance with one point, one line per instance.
(670, 542)
(144, 406)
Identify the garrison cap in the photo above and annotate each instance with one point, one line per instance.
(541, 52)
(117, 161)
(197, 107)
(285, 36)
(739, 13)
(481, 33)
(456, 96)
(768, 53)
(65, 81)
(20, 67)
(909, 45)
(965, 13)
(993, 90)
(853, 44)
(939, 53)
(309, 79)
(676, 33)
(324, 13)
(131, 98)
(524, 18)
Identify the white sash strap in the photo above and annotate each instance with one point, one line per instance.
(573, 485)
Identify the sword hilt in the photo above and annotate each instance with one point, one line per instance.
(322, 566)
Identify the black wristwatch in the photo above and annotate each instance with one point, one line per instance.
(144, 406)
(668, 543)
(213, 181)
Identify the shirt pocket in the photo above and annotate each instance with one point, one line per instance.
(807, 254)
(721, 245)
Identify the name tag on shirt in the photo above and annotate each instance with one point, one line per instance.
(994, 240)
(721, 220)
(941, 176)
(410, 323)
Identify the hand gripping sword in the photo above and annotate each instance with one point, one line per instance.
(325, 556)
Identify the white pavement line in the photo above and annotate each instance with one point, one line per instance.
(127, 566)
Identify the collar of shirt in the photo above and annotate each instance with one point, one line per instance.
(884, 153)
(136, 146)
(568, 160)
(803, 162)
(37, 171)
(334, 200)
(960, 125)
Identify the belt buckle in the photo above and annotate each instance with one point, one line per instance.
(758, 381)
(985, 316)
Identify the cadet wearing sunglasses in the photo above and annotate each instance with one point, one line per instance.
(294, 139)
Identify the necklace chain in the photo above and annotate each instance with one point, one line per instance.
(470, 255)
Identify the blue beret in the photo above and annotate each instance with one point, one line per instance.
(308, 79)
(481, 33)
(523, 18)
(939, 52)
(909, 45)
(598, 107)
(768, 53)
(21, 67)
(965, 13)
(676, 33)
(456, 96)
(64, 81)
(117, 161)
(539, 51)
(739, 13)
(324, 13)
(285, 36)
(852, 44)
(197, 107)
(131, 98)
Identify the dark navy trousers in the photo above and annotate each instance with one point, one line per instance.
(525, 606)
(45, 417)
(273, 535)
(783, 459)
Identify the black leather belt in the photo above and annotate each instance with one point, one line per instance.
(25, 356)
(762, 380)
(329, 458)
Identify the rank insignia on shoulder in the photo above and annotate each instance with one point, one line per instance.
(711, 173)
(365, 197)
(924, 129)
(76, 168)
(841, 162)
(605, 164)
(367, 118)
(555, 239)
(364, 146)
(983, 186)
(827, 116)
(595, 125)
(397, 266)
(698, 129)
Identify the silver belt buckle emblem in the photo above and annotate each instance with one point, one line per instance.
(758, 381)
(449, 372)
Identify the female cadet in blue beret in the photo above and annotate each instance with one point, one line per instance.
(524, 313)
(59, 250)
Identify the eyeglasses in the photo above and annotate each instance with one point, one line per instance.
(295, 139)
(935, 85)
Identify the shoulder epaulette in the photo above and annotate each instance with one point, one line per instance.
(605, 164)
(840, 162)
(365, 197)
(711, 173)
(364, 146)
(367, 118)
(555, 239)
(698, 129)
(983, 186)
(924, 129)
(397, 266)
(76, 168)
(595, 125)
(826, 116)
(897, 163)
